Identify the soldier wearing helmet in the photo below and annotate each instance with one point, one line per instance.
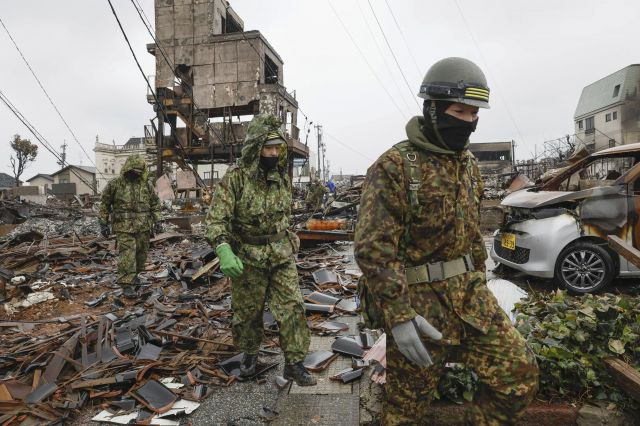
(422, 255)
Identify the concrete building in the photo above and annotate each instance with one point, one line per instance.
(608, 112)
(42, 181)
(74, 180)
(214, 76)
(494, 158)
(110, 158)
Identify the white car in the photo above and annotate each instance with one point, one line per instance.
(559, 230)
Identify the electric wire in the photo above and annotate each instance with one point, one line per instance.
(406, 44)
(40, 138)
(365, 156)
(153, 93)
(366, 60)
(55, 107)
(477, 45)
(404, 77)
(379, 49)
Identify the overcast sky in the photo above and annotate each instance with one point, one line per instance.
(538, 55)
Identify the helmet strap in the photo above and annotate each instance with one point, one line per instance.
(434, 123)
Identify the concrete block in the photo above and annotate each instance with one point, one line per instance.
(227, 51)
(184, 55)
(164, 3)
(204, 96)
(202, 75)
(182, 2)
(183, 18)
(247, 92)
(225, 94)
(201, 20)
(204, 54)
(246, 51)
(164, 23)
(249, 71)
(226, 72)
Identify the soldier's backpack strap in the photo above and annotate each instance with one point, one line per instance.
(412, 172)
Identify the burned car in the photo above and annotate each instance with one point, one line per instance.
(559, 229)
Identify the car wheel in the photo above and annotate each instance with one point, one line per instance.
(584, 267)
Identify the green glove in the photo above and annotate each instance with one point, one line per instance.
(230, 264)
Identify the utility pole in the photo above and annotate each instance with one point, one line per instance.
(320, 149)
(63, 154)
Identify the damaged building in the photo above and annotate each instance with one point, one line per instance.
(212, 76)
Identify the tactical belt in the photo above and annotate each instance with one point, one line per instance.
(263, 239)
(439, 271)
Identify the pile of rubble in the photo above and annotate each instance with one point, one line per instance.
(71, 341)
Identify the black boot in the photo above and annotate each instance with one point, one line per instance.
(129, 292)
(299, 374)
(248, 365)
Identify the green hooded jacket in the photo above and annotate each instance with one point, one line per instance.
(252, 203)
(130, 205)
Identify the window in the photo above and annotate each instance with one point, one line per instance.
(614, 115)
(589, 124)
(207, 175)
(616, 91)
(607, 117)
(270, 71)
(580, 125)
(612, 143)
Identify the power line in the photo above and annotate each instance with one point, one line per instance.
(41, 139)
(475, 42)
(365, 59)
(347, 146)
(49, 97)
(406, 44)
(384, 61)
(413, 96)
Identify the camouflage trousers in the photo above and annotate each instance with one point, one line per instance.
(506, 368)
(132, 255)
(277, 287)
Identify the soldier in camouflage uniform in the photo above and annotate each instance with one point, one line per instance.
(248, 225)
(315, 195)
(130, 204)
(420, 249)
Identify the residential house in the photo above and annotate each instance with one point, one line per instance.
(42, 181)
(74, 180)
(7, 181)
(608, 112)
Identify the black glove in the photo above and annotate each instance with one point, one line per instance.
(156, 229)
(104, 230)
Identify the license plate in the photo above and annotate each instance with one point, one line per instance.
(509, 241)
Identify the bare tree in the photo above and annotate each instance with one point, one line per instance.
(25, 153)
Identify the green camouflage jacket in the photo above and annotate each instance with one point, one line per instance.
(316, 192)
(130, 205)
(250, 202)
(391, 235)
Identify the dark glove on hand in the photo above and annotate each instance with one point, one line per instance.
(156, 229)
(104, 230)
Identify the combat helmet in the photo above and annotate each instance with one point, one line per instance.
(456, 80)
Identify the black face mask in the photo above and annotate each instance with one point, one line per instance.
(454, 132)
(269, 163)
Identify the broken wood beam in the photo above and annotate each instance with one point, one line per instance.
(195, 339)
(626, 377)
(624, 249)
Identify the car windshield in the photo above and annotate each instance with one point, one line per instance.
(599, 172)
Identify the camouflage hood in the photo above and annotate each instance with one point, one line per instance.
(416, 137)
(135, 162)
(256, 136)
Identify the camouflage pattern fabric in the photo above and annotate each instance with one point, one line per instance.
(250, 202)
(277, 287)
(132, 207)
(132, 255)
(391, 235)
(315, 195)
